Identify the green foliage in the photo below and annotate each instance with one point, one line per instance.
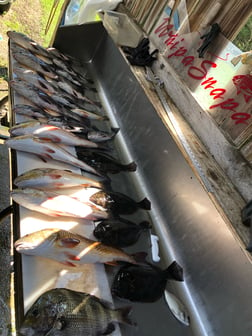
(47, 7)
(244, 39)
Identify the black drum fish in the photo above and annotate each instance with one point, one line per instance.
(119, 232)
(145, 282)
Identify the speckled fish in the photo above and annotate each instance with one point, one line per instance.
(51, 133)
(145, 282)
(243, 85)
(69, 248)
(50, 178)
(34, 63)
(27, 43)
(47, 151)
(33, 112)
(64, 312)
(119, 232)
(34, 95)
(54, 204)
(104, 162)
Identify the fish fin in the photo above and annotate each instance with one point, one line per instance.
(140, 257)
(110, 328)
(115, 130)
(112, 263)
(6, 212)
(72, 257)
(123, 316)
(145, 204)
(42, 158)
(144, 225)
(68, 263)
(69, 242)
(131, 167)
(175, 271)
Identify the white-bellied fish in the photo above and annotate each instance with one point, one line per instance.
(54, 204)
(47, 150)
(51, 178)
(64, 312)
(51, 133)
(69, 248)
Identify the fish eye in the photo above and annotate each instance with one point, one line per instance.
(35, 312)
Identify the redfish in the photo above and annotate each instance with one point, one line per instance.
(46, 150)
(50, 178)
(69, 249)
(54, 204)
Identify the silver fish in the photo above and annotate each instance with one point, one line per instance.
(177, 308)
(51, 133)
(27, 43)
(34, 78)
(31, 111)
(37, 97)
(47, 150)
(54, 204)
(50, 178)
(34, 63)
(64, 312)
(69, 248)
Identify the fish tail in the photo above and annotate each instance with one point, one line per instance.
(175, 271)
(131, 167)
(145, 225)
(115, 130)
(145, 204)
(122, 315)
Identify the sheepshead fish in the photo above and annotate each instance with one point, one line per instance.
(104, 162)
(54, 204)
(243, 85)
(69, 249)
(64, 312)
(51, 133)
(119, 232)
(47, 150)
(145, 282)
(50, 178)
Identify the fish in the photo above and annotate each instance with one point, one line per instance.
(34, 63)
(50, 178)
(51, 133)
(118, 203)
(34, 78)
(101, 136)
(177, 308)
(36, 96)
(54, 204)
(31, 111)
(243, 84)
(69, 249)
(144, 282)
(47, 151)
(65, 312)
(44, 60)
(104, 162)
(119, 232)
(27, 43)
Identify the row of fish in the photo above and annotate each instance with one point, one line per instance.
(62, 106)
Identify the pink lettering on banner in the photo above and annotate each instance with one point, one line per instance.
(243, 83)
